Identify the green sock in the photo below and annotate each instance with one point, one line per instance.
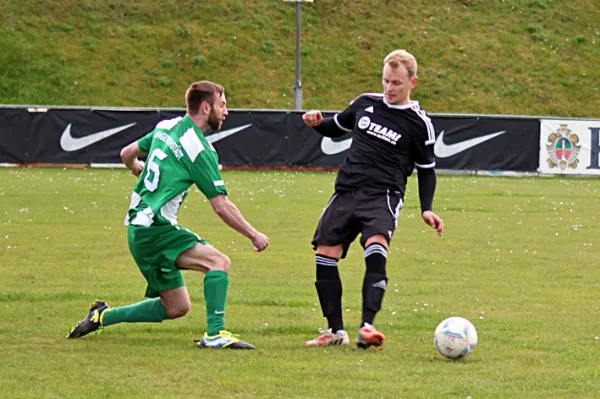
(216, 283)
(150, 310)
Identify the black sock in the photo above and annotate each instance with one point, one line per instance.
(329, 290)
(375, 281)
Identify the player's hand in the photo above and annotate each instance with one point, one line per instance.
(434, 221)
(313, 118)
(260, 241)
(137, 169)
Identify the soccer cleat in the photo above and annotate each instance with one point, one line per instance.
(224, 339)
(329, 338)
(369, 336)
(92, 321)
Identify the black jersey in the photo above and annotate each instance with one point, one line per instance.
(388, 142)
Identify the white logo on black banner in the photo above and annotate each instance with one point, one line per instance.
(443, 150)
(70, 143)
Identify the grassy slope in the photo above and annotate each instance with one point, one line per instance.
(531, 57)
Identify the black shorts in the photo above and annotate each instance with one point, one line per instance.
(349, 213)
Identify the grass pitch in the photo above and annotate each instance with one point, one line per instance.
(519, 259)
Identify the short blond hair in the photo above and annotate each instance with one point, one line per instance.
(397, 57)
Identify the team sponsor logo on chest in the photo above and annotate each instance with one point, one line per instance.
(379, 131)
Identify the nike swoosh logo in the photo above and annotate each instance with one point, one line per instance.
(70, 143)
(443, 150)
(213, 138)
(330, 147)
(219, 312)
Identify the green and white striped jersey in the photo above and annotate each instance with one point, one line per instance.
(178, 156)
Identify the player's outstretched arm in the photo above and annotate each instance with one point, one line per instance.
(231, 215)
(324, 126)
(130, 155)
(427, 183)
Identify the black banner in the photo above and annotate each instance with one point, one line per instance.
(253, 138)
(14, 138)
(487, 143)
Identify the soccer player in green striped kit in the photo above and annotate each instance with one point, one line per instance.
(178, 155)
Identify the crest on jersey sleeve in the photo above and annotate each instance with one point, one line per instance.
(364, 122)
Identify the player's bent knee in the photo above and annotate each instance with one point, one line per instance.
(332, 252)
(221, 262)
(226, 263)
(377, 238)
(179, 310)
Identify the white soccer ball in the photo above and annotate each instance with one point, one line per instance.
(455, 338)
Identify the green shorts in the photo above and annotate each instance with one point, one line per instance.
(155, 250)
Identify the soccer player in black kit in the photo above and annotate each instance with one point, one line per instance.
(391, 136)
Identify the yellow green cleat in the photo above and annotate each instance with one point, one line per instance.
(223, 340)
(92, 322)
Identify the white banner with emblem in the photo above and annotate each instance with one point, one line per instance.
(569, 146)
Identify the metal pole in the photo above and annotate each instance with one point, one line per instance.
(298, 86)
